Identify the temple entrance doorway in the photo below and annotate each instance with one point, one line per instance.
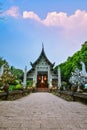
(42, 79)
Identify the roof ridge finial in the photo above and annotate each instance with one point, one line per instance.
(42, 46)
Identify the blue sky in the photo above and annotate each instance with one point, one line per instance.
(60, 24)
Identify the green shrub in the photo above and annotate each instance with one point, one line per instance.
(18, 86)
(30, 83)
(12, 87)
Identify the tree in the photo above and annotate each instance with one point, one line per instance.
(3, 61)
(17, 72)
(7, 76)
(73, 62)
(10, 75)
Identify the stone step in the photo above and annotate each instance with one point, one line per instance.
(42, 90)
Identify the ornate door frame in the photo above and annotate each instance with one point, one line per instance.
(42, 79)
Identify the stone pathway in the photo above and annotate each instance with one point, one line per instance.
(42, 111)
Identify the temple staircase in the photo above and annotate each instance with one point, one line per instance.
(42, 90)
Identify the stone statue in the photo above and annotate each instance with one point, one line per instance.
(75, 78)
(83, 69)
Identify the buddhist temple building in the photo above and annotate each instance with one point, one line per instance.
(42, 72)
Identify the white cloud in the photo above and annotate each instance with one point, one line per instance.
(73, 24)
(55, 19)
(31, 15)
(59, 18)
(13, 12)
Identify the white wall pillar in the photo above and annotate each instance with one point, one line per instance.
(25, 76)
(49, 78)
(59, 77)
(35, 78)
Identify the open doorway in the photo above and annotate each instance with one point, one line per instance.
(42, 79)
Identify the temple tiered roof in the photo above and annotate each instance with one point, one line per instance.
(42, 54)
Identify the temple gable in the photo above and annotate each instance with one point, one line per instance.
(42, 72)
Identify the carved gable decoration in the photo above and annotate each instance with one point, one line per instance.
(42, 69)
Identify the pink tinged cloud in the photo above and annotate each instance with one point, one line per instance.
(72, 26)
(31, 15)
(13, 12)
(77, 20)
(55, 19)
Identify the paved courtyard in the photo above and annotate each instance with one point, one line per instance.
(42, 111)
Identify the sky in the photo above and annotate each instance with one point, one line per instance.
(61, 25)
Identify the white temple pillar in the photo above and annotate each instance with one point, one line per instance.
(35, 78)
(50, 81)
(25, 77)
(59, 78)
(49, 78)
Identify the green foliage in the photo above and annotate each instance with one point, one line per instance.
(10, 75)
(15, 87)
(29, 83)
(7, 76)
(12, 87)
(17, 72)
(3, 61)
(73, 62)
(18, 86)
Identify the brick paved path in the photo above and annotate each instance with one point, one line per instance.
(42, 111)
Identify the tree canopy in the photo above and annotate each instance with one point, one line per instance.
(10, 74)
(73, 62)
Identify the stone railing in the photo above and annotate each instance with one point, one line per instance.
(12, 95)
(73, 96)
